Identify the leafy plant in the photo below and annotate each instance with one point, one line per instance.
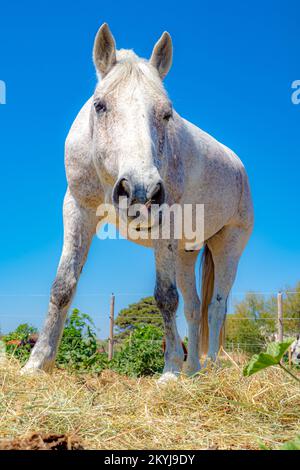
(78, 349)
(292, 445)
(272, 357)
(141, 353)
(21, 334)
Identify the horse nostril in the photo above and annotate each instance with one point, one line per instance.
(298, 356)
(158, 194)
(122, 189)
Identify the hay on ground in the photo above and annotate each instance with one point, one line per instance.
(220, 409)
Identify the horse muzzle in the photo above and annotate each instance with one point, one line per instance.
(139, 203)
(138, 193)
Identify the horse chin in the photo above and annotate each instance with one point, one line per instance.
(144, 229)
(148, 228)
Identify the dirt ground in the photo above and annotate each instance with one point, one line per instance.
(42, 442)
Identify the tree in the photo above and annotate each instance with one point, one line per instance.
(291, 309)
(255, 319)
(250, 323)
(144, 312)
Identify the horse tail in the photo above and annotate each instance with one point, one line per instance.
(207, 288)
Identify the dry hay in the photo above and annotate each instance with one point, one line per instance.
(220, 409)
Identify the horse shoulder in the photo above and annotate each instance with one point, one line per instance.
(81, 174)
(217, 178)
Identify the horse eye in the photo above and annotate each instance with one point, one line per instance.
(100, 106)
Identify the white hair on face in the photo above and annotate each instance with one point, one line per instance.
(131, 70)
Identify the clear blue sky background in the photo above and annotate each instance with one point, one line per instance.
(234, 63)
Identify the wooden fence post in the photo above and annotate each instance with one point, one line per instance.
(280, 317)
(111, 328)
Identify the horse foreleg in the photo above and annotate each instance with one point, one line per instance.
(166, 296)
(226, 248)
(79, 227)
(186, 280)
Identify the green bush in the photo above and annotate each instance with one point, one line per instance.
(21, 333)
(141, 354)
(78, 349)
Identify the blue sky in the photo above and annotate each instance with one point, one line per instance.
(234, 63)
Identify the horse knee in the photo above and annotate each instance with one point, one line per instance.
(192, 311)
(166, 296)
(216, 312)
(63, 289)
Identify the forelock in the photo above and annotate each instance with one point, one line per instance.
(131, 71)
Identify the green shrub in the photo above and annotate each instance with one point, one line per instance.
(78, 349)
(141, 353)
(21, 333)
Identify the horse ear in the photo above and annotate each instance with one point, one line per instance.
(162, 55)
(104, 53)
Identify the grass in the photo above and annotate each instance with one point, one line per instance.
(220, 409)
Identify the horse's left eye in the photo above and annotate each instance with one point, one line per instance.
(100, 106)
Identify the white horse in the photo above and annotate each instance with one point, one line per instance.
(127, 140)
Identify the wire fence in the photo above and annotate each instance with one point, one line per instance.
(282, 322)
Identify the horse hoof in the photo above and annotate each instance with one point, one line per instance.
(212, 363)
(192, 370)
(32, 368)
(31, 371)
(167, 377)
